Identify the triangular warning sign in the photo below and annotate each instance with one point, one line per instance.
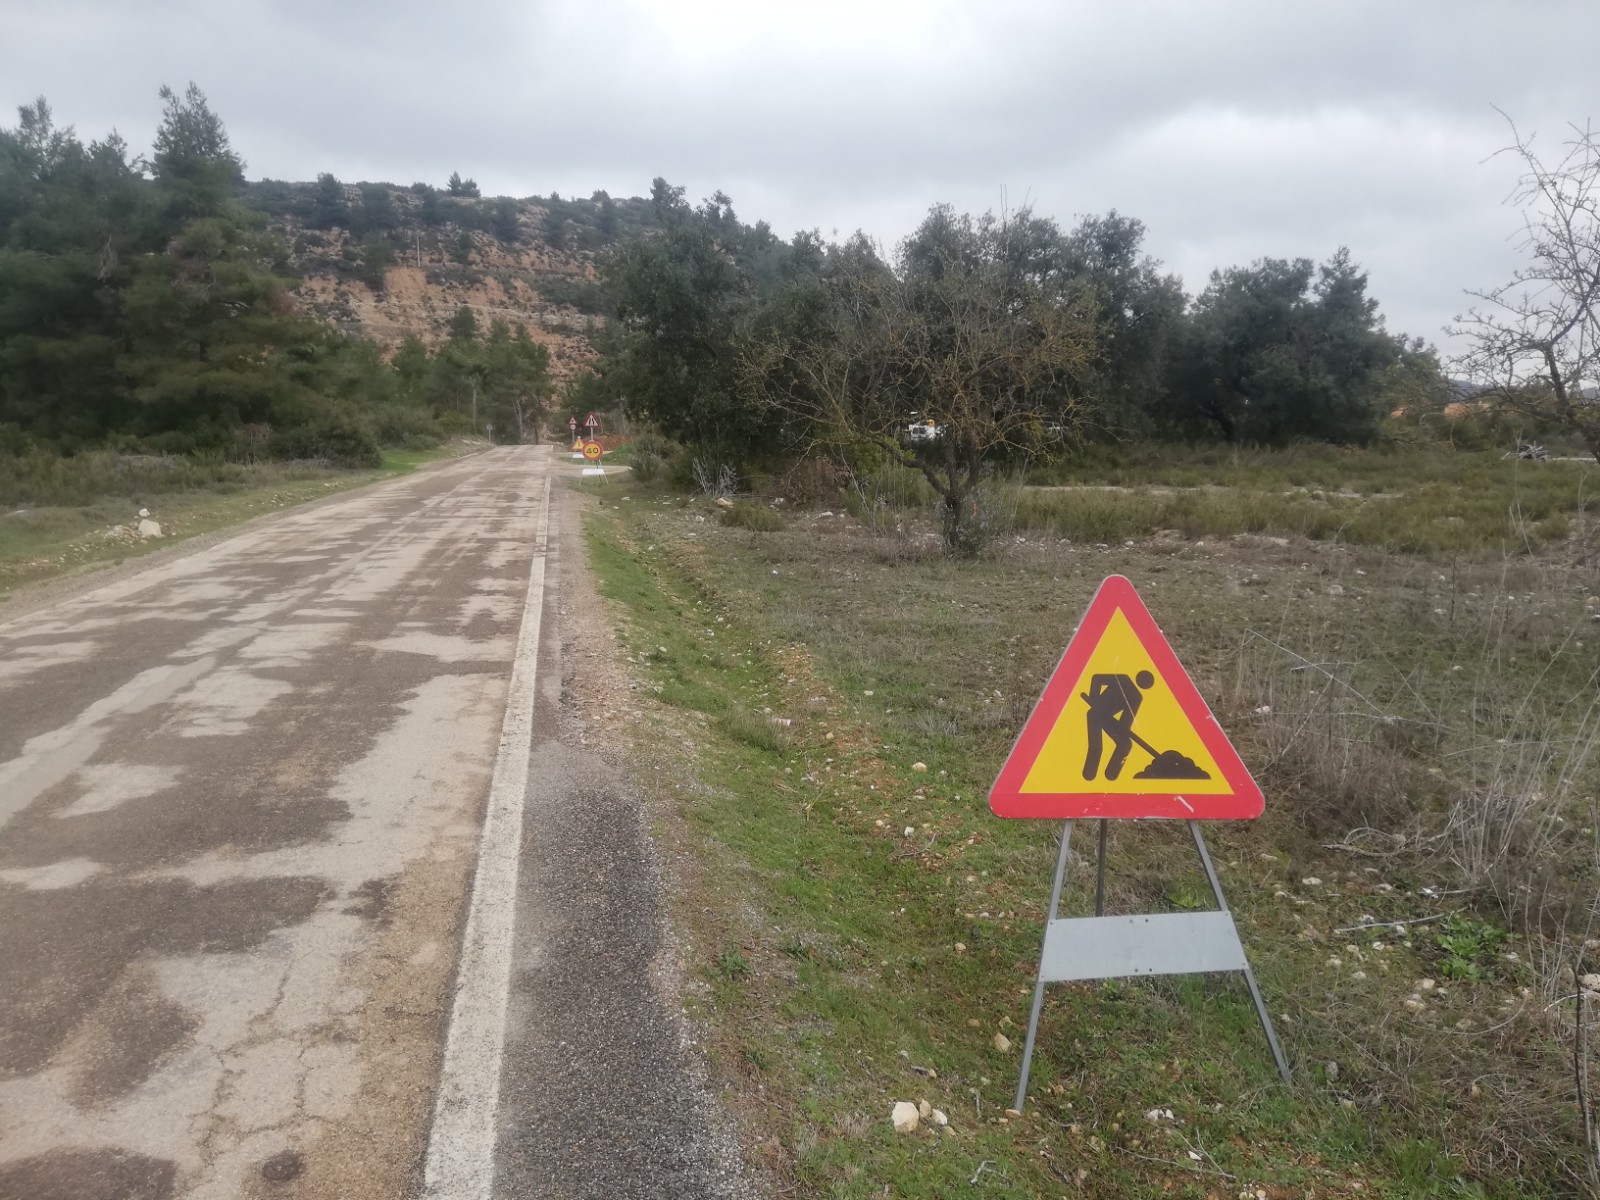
(1120, 731)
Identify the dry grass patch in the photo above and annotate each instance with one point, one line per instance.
(1409, 717)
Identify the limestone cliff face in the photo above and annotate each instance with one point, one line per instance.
(441, 265)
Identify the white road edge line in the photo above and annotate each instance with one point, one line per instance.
(461, 1145)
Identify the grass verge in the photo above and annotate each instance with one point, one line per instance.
(43, 542)
(866, 929)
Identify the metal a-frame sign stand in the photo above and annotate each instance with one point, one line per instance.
(1119, 671)
(1102, 947)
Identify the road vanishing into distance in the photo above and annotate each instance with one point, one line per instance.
(304, 891)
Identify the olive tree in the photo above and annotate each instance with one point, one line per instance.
(969, 333)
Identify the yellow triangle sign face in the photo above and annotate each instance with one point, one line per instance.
(1121, 731)
(1082, 749)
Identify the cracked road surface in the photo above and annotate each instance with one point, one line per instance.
(240, 796)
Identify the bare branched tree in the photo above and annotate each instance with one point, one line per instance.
(1534, 341)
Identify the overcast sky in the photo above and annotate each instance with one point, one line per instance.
(1234, 130)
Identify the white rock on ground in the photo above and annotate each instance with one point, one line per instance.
(924, 1109)
(1002, 1043)
(904, 1117)
(149, 529)
(940, 1119)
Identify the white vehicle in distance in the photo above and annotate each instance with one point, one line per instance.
(922, 431)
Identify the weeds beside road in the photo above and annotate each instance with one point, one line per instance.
(61, 515)
(1415, 899)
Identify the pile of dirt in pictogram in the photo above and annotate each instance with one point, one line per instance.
(1169, 764)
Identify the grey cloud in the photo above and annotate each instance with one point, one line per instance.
(1234, 130)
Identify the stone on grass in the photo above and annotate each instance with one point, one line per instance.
(939, 1118)
(149, 529)
(904, 1116)
(1002, 1043)
(919, 767)
(924, 1109)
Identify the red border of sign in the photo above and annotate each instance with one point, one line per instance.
(1006, 799)
(598, 450)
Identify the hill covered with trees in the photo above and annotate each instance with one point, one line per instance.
(161, 302)
(384, 262)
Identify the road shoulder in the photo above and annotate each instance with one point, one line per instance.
(606, 1090)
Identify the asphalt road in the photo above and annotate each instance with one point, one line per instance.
(242, 792)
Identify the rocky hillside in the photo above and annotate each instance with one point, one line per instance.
(522, 261)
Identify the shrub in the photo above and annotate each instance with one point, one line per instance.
(812, 482)
(985, 514)
(646, 465)
(650, 453)
(336, 438)
(746, 514)
(712, 479)
(753, 729)
(406, 428)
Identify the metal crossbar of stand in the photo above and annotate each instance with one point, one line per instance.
(1102, 947)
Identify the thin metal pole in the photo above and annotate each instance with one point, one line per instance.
(1038, 987)
(1249, 975)
(1100, 873)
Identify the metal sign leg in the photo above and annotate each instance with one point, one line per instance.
(1249, 975)
(1100, 873)
(1038, 987)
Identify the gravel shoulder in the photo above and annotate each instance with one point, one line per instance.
(606, 1091)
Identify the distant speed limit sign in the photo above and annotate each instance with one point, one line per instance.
(592, 451)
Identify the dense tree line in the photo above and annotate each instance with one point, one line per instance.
(144, 305)
(144, 302)
(1008, 333)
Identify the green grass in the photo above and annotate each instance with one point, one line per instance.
(97, 499)
(1387, 469)
(871, 951)
(403, 462)
(620, 457)
(746, 514)
(1436, 502)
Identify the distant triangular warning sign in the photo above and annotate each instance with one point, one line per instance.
(1120, 731)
